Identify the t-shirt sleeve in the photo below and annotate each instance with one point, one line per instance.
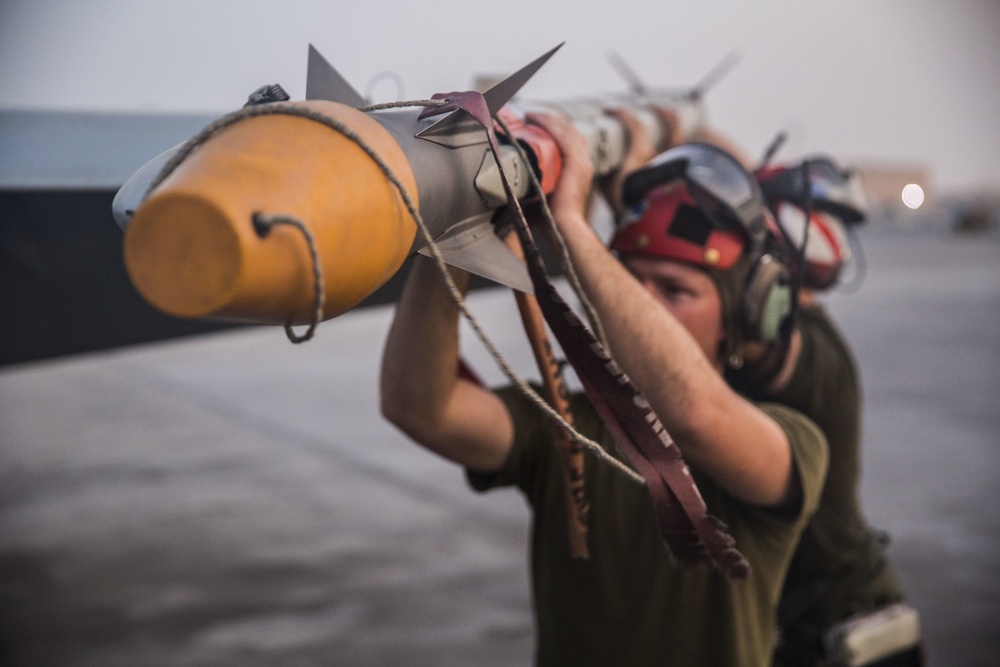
(809, 452)
(528, 423)
(534, 461)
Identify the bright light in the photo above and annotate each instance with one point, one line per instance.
(913, 196)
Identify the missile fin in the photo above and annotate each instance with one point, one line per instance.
(323, 82)
(715, 74)
(455, 130)
(460, 129)
(500, 94)
(635, 83)
(475, 247)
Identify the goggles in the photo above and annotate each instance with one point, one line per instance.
(836, 191)
(726, 192)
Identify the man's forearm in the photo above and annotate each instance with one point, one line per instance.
(421, 352)
(654, 349)
(420, 389)
(721, 433)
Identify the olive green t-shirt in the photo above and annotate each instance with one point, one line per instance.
(632, 603)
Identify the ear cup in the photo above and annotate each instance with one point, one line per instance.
(768, 302)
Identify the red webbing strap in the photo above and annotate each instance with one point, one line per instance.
(689, 532)
(675, 526)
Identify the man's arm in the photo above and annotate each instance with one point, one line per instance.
(722, 434)
(421, 392)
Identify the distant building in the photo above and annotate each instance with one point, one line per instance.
(885, 182)
(894, 188)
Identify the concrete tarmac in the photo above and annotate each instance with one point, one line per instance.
(237, 500)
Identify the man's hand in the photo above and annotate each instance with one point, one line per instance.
(569, 201)
(672, 122)
(640, 151)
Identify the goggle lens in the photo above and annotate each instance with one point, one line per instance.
(714, 174)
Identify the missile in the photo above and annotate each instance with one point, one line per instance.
(200, 220)
(292, 212)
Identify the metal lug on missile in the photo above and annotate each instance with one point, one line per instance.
(323, 82)
(488, 182)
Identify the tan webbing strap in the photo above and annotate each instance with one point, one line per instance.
(577, 505)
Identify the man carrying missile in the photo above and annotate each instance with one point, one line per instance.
(839, 569)
(674, 312)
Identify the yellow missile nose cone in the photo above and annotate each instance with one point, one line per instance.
(191, 249)
(190, 267)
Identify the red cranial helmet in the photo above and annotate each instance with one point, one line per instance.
(668, 223)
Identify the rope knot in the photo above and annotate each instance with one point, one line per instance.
(261, 224)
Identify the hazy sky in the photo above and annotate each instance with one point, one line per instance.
(907, 81)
